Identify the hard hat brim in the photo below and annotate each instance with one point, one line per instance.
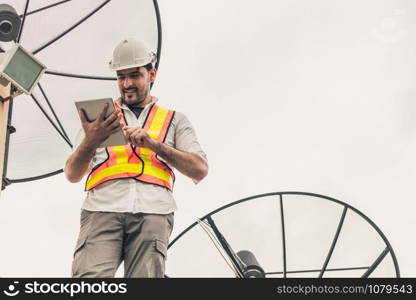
(128, 67)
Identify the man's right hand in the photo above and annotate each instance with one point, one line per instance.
(99, 130)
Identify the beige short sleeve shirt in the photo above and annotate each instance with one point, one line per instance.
(130, 195)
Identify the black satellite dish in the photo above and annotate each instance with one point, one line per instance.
(283, 234)
(76, 51)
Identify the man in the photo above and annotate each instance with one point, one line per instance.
(128, 211)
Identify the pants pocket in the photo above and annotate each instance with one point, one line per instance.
(86, 217)
(80, 244)
(85, 225)
(161, 248)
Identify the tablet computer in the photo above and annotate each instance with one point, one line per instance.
(92, 109)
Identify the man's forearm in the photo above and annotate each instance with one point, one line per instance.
(189, 164)
(78, 163)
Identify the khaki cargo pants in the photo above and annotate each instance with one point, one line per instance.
(108, 238)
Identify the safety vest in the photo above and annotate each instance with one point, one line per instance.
(142, 164)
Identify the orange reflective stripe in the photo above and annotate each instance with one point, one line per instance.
(165, 126)
(155, 180)
(150, 117)
(118, 107)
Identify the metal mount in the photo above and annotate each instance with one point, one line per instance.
(4, 99)
(5, 182)
(11, 129)
(15, 92)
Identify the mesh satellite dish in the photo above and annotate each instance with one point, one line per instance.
(282, 234)
(74, 40)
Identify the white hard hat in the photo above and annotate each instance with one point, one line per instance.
(131, 53)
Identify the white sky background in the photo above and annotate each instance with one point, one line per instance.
(313, 96)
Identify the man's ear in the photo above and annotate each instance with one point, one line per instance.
(153, 73)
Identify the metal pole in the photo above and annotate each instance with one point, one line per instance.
(5, 108)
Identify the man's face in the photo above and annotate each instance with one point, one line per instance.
(134, 84)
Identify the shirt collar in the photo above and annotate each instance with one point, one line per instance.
(124, 106)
